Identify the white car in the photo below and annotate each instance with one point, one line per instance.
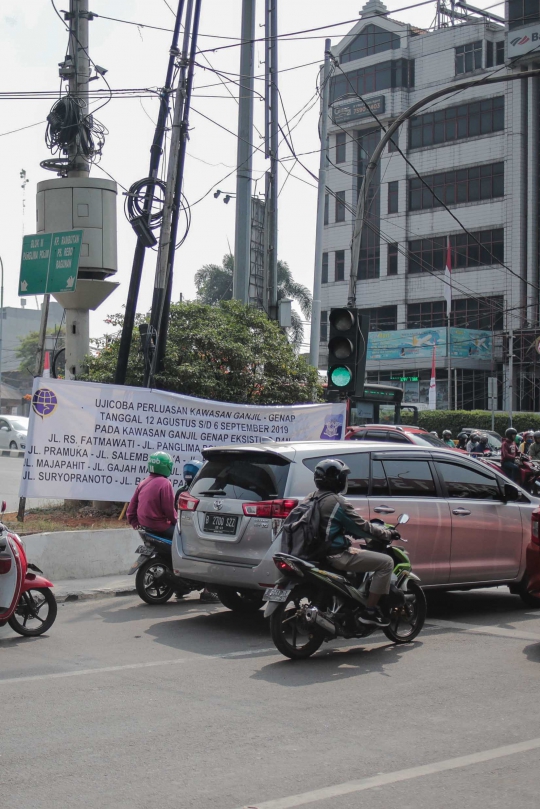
(13, 432)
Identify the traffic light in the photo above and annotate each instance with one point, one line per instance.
(347, 349)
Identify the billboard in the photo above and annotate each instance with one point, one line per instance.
(524, 41)
(418, 343)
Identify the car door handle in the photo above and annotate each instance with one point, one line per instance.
(384, 510)
(461, 512)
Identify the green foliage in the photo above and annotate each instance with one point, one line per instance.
(454, 420)
(28, 346)
(228, 352)
(214, 284)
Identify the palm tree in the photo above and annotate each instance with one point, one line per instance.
(214, 283)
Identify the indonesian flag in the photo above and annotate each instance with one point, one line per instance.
(448, 278)
(46, 367)
(433, 384)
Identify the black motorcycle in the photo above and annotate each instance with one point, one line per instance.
(312, 604)
(155, 580)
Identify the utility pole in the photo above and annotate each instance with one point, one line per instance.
(244, 156)
(1, 328)
(167, 241)
(78, 81)
(317, 274)
(511, 376)
(271, 142)
(449, 359)
(156, 150)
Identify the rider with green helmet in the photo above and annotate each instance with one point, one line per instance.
(152, 505)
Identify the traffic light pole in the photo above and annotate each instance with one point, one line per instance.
(372, 165)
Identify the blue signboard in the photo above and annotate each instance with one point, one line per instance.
(418, 343)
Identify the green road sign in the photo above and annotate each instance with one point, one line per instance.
(49, 262)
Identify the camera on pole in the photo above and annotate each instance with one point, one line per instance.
(347, 350)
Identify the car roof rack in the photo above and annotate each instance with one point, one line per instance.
(384, 426)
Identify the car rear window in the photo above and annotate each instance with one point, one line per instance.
(425, 439)
(358, 463)
(463, 482)
(250, 476)
(403, 478)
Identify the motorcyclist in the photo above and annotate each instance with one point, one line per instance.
(152, 505)
(482, 445)
(434, 433)
(188, 473)
(534, 449)
(473, 441)
(509, 453)
(527, 441)
(462, 441)
(447, 438)
(518, 439)
(339, 518)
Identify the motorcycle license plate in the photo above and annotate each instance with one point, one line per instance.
(278, 594)
(142, 549)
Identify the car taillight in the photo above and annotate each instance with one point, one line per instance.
(270, 508)
(187, 503)
(535, 527)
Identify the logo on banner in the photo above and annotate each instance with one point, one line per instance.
(44, 402)
(333, 428)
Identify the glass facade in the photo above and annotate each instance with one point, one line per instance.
(522, 12)
(372, 39)
(457, 187)
(428, 255)
(370, 251)
(382, 76)
(455, 123)
(469, 57)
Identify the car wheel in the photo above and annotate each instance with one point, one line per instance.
(531, 600)
(243, 601)
(13, 445)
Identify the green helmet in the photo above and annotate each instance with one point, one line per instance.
(160, 463)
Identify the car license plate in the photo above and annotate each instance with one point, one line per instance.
(277, 593)
(144, 550)
(220, 524)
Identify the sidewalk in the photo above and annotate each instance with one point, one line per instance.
(99, 587)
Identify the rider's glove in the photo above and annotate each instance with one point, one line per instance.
(394, 535)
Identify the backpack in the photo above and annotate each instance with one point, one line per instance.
(300, 532)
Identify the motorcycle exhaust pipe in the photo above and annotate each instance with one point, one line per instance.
(313, 616)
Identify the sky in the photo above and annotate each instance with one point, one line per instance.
(32, 43)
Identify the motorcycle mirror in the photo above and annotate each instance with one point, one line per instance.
(4, 506)
(402, 519)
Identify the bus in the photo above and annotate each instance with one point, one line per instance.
(380, 404)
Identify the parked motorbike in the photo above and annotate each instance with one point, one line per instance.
(155, 581)
(312, 604)
(27, 603)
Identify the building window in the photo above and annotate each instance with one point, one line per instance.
(392, 265)
(382, 318)
(340, 206)
(427, 255)
(469, 57)
(326, 206)
(457, 186)
(339, 272)
(324, 326)
(489, 53)
(478, 313)
(393, 195)
(454, 123)
(324, 270)
(499, 52)
(427, 315)
(381, 76)
(341, 147)
(522, 12)
(370, 251)
(393, 143)
(372, 40)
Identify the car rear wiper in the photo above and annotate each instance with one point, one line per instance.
(212, 492)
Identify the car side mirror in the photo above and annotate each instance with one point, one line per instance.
(511, 493)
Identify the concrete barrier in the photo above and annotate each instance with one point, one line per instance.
(83, 554)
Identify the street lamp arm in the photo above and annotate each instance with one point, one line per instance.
(374, 160)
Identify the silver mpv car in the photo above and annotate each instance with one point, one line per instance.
(469, 526)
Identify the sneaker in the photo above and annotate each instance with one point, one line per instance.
(374, 617)
(209, 597)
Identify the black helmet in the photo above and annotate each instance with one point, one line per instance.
(484, 439)
(536, 434)
(511, 432)
(475, 437)
(331, 475)
(463, 437)
(447, 433)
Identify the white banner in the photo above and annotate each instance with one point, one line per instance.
(91, 442)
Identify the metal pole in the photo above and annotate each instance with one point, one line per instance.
(317, 273)
(1, 327)
(449, 360)
(156, 150)
(242, 232)
(372, 164)
(78, 82)
(38, 369)
(271, 143)
(510, 375)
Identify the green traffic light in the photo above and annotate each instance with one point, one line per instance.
(341, 376)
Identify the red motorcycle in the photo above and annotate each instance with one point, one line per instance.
(529, 472)
(27, 603)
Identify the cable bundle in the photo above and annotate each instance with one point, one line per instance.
(67, 126)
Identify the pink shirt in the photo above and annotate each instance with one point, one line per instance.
(152, 505)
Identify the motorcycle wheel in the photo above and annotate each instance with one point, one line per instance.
(289, 636)
(245, 602)
(35, 613)
(407, 621)
(148, 584)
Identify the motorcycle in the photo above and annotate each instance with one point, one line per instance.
(155, 581)
(27, 603)
(312, 604)
(529, 473)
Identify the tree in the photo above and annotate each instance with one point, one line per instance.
(228, 352)
(27, 349)
(214, 284)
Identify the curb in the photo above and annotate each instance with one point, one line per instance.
(88, 595)
(12, 453)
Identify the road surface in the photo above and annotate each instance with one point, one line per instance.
(10, 479)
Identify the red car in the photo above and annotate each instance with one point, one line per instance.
(401, 434)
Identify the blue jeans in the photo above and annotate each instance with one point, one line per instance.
(511, 470)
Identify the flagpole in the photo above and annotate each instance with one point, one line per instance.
(448, 297)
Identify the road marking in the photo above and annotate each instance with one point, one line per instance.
(383, 779)
(478, 629)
